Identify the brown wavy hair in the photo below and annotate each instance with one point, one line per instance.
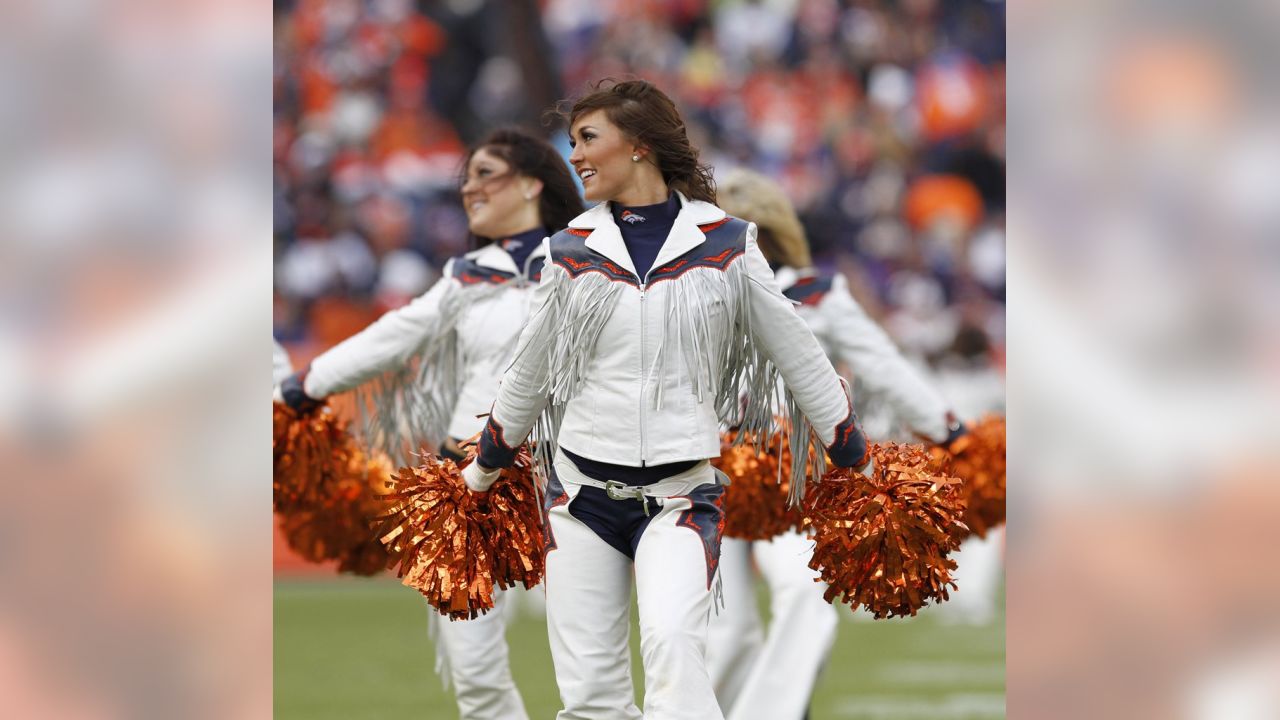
(648, 117)
(535, 158)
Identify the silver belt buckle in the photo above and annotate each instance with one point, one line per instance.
(618, 490)
(621, 491)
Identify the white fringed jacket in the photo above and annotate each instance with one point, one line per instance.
(639, 372)
(433, 366)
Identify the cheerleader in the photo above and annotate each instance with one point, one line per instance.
(743, 659)
(432, 367)
(655, 309)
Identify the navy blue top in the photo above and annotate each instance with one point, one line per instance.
(645, 229)
(521, 246)
(645, 475)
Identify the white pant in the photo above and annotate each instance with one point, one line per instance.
(473, 655)
(769, 677)
(588, 609)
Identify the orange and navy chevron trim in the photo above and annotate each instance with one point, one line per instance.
(555, 497)
(706, 517)
(595, 262)
(810, 290)
(494, 430)
(849, 448)
(723, 246)
(468, 272)
(717, 253)
(470, 279)
(494, 451)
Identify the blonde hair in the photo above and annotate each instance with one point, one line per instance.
(753, 197)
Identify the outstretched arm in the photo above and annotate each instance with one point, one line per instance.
(880, 366)
(386, 344)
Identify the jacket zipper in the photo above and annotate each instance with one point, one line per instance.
(644, 443)
(644, 369)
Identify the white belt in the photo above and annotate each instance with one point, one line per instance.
(673, 486)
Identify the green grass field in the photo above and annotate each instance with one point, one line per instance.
(348, 648)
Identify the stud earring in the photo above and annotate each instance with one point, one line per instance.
(635, 158)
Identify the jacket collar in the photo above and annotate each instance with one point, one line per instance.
(606, 238)
(495, 257)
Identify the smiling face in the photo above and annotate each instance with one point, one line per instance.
(602, 157)
(495, 197)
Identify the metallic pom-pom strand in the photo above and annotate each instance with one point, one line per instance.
(363, 553)
(456, 546)
(978, 458)
(309, 451)
(755, 502)
(328, 491)
(882, 542)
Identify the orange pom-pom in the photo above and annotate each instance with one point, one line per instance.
(309, 451)
(755, 502)
(978, 458)
(328, 491)
(366, 500)
(455, 546)
(882, 541)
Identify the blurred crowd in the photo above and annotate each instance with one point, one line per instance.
(884, 120)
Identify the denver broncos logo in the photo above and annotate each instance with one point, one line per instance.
(631, 218)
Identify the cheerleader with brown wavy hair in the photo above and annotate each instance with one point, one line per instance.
(655, 312)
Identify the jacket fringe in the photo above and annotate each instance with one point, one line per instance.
(405, 410)
(716, 351)
(573, 317)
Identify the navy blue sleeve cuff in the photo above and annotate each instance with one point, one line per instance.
(494, 451)
(291, 389)
(850, 446)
